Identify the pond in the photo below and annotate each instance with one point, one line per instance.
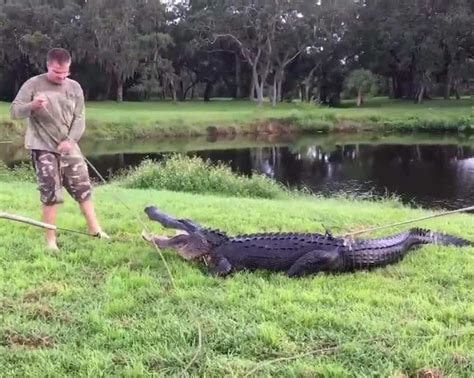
(432, 171)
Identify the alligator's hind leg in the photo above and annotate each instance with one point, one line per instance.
(222, 267)
(316, 261)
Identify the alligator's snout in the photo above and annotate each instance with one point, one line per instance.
(188, 246)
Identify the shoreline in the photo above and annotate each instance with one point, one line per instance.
(134, 120)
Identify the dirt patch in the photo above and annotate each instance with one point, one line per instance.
(275, 128)
(269, 127)
(351, 126)
(43, 312)
(460, 359)
(220, 132)
(427, 373)
(50, 289)
(14, 339)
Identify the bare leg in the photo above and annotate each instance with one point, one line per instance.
(49, 216)
(87, 208)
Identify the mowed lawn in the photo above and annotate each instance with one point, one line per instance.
(139, 119)
(102, 308)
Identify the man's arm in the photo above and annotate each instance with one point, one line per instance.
(21, 106)
(79, 120)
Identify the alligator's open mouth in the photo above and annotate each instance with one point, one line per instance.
(151, 238)
(179, 242)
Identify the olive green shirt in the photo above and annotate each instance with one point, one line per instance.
(62, 118)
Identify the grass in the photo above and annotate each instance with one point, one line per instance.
(144, 119)
(109, 308)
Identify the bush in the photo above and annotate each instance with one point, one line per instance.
(21, 172)
(191, 174)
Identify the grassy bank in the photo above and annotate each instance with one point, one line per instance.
(109, 308)
(132, 120)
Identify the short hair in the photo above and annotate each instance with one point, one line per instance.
(59, 55)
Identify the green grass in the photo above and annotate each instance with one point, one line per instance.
(145, 119)
(109, 308)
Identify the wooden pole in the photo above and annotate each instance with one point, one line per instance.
(19, 218)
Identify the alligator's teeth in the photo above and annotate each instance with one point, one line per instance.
(181, 232)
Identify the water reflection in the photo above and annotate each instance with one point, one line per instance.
(432, 171)
(428, 175)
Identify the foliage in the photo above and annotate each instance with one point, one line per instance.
(361, 81)
(192, 174)
(237, 48)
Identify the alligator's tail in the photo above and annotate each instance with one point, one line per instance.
(363, 254)
(432, 237)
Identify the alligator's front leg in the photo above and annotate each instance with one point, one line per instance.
(221, 267)
(316, 261)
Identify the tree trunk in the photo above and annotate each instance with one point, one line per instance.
(275, 92)
(421, 93)
(109, 87)
(259, 94)
(360, 98)
(258, 86)
(119, 89)
(252, 87)
(208, 91)
(182, 92)
(238, 76)
(173, 90)
(307, 90)
(447, 88)
(279, 88)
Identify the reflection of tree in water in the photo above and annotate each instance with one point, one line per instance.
(424, 173)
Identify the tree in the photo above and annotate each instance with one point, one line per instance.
(361, 81)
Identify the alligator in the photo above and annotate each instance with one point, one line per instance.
(296, 254)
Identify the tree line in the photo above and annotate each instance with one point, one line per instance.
(315, 50)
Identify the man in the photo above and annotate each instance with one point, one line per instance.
(54, 106)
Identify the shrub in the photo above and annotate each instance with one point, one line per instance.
(192, 174)
(21, 172)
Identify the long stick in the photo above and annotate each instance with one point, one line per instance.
(410, 221)
(19, 218)
(22, 219)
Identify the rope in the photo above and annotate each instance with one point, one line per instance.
(334, 348)
(464, 209)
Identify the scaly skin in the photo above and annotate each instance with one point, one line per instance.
(296, 254)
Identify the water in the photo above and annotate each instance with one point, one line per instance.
(433, 171)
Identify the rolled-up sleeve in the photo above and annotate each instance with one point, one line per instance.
(21, 105)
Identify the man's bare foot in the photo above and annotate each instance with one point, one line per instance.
(100, 235)
(51, 245)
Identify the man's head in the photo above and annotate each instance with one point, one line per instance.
(58, 62)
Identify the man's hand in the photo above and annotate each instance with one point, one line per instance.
(39, 102)
(65, 147)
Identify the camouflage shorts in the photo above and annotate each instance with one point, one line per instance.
(53, 171)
